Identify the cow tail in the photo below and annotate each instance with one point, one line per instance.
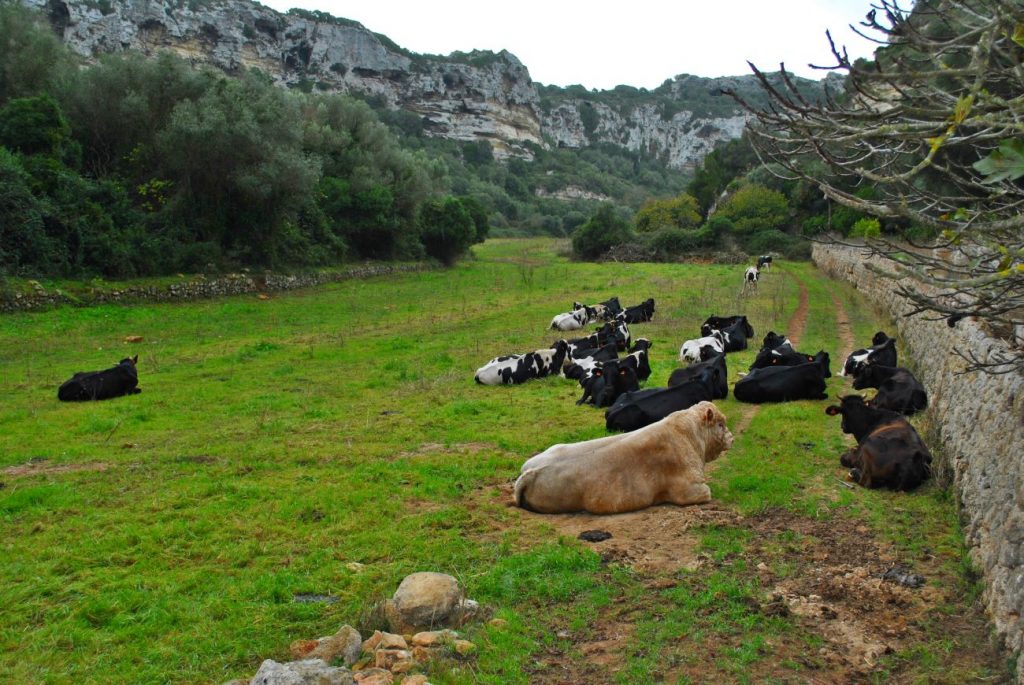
(522, 483)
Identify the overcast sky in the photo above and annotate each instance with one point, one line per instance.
(601, 44)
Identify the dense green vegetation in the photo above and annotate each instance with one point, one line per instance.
(162, 537)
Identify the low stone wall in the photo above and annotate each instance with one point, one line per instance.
(200, 288)
(979, 419)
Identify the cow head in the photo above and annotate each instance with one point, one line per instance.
(823, 359)
(712, 418)
(866, 377)
(879, 339)
(641, 344)
(130, 361)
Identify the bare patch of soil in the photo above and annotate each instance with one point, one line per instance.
(846, 341)
(42, 468)
(457, 448)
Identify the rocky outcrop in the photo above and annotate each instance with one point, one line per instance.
(978, 423)
(472, 96)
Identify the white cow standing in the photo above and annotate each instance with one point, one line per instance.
(750, 280)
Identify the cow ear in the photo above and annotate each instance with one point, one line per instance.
(709, 415)
(832, 410)
(135, 359)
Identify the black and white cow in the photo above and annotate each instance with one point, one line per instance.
(717, 323)
(513, 369)
(584, 361)
(702, 349)
(882, 351)
(600, 338)
(572, 321)
(607, 383)
(721, 376)
(764, 262)
(889, 452)
(116, 381)
(736, 335)
(599, 311)
(640, 358)
(639, 313)
(898, 389)
(750, 277)
(613, 306)
(775, 340)
(640, 408)
(781, 384)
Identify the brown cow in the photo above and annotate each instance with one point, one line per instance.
(662, 462)
(889, 452)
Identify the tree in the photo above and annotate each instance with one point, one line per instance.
(603, 231)
(680, 211)
(934, 126)
(34, 125)
(446, 229)
(754, 208)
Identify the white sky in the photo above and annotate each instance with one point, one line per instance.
(601, 44)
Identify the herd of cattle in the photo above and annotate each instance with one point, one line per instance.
(609, 365)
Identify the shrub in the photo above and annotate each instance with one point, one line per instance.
(867, 227)
(34, 125)
(754, 208)
(677, 212)
(446, 229)
(603, 231)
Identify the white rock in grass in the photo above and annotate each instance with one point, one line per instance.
(305, 672)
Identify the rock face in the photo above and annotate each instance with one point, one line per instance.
(463, 96)
(977, 422)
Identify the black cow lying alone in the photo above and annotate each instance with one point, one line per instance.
(889, 452)
(633, 410)
(640, 312)
(898, 390)
(782, 384)
(122, 379)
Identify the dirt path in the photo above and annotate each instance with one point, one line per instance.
(845, 331)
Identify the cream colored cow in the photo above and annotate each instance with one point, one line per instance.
(662, 462)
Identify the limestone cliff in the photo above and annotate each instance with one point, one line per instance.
(462, 96)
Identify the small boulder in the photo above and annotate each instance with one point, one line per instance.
(424, 600)
(418, 679)
(464, 647)
(345, 644)
(374, 676)
(392, 641)
(391, 658)
(306, 672)
(433, 638)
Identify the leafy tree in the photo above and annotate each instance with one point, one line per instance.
(931, 125)
(677, 212)
(481, 222)
(603, 231)
(755, 208)
(32, 58)
(728, 161)
(23, 240)
(447, 229)
(34, 125)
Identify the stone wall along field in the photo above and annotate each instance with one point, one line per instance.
(979, 419)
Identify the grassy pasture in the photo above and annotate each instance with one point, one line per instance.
(163, 537)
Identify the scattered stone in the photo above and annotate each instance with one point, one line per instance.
(464, 648)
(389, 658)
(370, 643)
(595, 535)
(238, 681)
(346, 644)
(762, 567)
(306, 598)
(434, 638)
(305, 672)
(355, 566)
(424, 600)
(133, 338)
(497, 623)
(392, 641)
(564, 634)
(263, 296)
(300, 649)
(418, 679)
(904, 577)
(374, 676)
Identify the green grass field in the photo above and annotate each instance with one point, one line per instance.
(163, 537)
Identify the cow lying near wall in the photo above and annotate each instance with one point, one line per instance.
(898, 390)
(663, 462)
(882, 351)
(782, 384)
(889, 452)
(116, 381)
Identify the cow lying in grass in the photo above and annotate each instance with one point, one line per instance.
(889, 452)
(782, 383)
(882, 351)
(662, 462)
(116, 381)
(513, 369)
(898, 390)
(720, 389)
(633, 410)
(702, 349)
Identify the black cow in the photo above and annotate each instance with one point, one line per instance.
(898, 390)
(781, 384)
(736, 335)
(764, 262)
(787, 356)
(774, 340)
(718, 323)
(720, 389)
(604, 335)
(513, 369)
(640, 312)
(882, 351)
(613, 306)
(116, 381)
(641, 408)
(889, 452)
(607, 383)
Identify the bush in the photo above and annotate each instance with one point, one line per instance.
(754, 208)
(672, 242)
(868, 227)
(603, 231)
(446, 229)
(677, 212)
(764, 242)
(34, 125)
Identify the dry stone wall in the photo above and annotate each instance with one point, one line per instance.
(980, 424)
(198, 288)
